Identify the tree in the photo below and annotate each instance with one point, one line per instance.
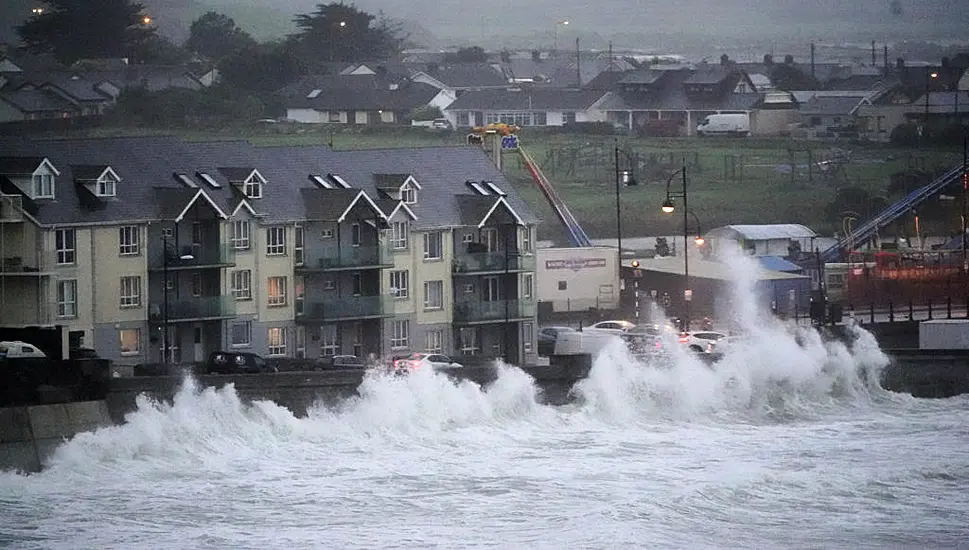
(216, 36)
(467, 55)
(158, 50)
(86, 29)
(261, 68)
(341, 32)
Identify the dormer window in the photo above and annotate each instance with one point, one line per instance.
(43, 186)
(408, 195)
(253, 187)
(106, 186)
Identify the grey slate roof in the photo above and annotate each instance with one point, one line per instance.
(236, 174)
(88, 172)
(534, 99)
(359, 93)
(468, 75)
(36, 101)
(19, 166)
(148, 191)
(824, 105)
(327, 205)
(389, 182)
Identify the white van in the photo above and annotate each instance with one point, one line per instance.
(726, 124)
(15, 349)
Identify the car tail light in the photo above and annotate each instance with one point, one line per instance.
(684, 338)
(415, 364)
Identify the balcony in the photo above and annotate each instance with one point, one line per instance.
(338, 309)
(478, 311)
(202, 256)
(492, 262)
(14, 265)
(194, 309)
(333, 258)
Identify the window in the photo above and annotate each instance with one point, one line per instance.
(327, 234)
(253, 187)
(328, 345)
(67, 298)
(65, 243)
(527, 336)
(398, 284)
(468, 341)
(298, 245)
(198, 233)
(528, 283)
(43, 186)
(357, 284)
(334, 116)
(131, 291)
(329, 284)
(130, 339)
(434, 341)
(240, 234)
(242, 284)
(398, 239)
(241, 334)
(355, 234)
(196, 284)
(563, 285)
(408, 194)
(467, 238)
(300, 342)
(469, 288)
(432, 246)
(399, 334)
(106, 186)
(275, 241)
(276, 341)
(568, 117)
(276, 291)
(433, 294)
(128, 240)
(527, 240)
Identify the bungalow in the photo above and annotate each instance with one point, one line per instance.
(671, 101)
(33, 104)
(360, 99)
(461, 77)
(526, 107)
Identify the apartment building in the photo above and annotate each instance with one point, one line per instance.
(150, 249)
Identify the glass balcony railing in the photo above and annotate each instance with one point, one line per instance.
(203, 307)
(194, 256)
(493, 261)
(345, 308)
(333, 257)
(467, 311)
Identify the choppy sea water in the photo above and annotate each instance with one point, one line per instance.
(788, 442)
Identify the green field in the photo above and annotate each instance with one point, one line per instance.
(730, 181)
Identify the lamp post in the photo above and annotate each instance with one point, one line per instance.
(627, 178)
(166, 351)
(928, 78)
(668, 207)
(555, 34)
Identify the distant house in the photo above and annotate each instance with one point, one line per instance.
(671, 101)
(761, 240)
(831, 114)
(359, 99)
(461, 77)
(526, 107)
(34, 104)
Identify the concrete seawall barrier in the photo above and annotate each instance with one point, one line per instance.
(29, 435)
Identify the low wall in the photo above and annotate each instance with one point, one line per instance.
(927, 373)
(29, 435)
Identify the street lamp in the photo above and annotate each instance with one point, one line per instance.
(555, 34)
(668, 207)
(929, 77)
(165, 348)
(628, 179)
(146, 20)
(37, 11)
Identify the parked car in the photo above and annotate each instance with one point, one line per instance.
(610, 327)
(237, 362)
(441, 124)
(340, 362)
(547, 337)
(415, 361)
(698, 340)
(16, 349)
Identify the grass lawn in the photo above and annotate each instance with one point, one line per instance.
(729, 180)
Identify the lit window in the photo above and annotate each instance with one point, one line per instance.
(276, 291)
(130, 339)
(276, 341)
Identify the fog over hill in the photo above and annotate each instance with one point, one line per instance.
(697, 25)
